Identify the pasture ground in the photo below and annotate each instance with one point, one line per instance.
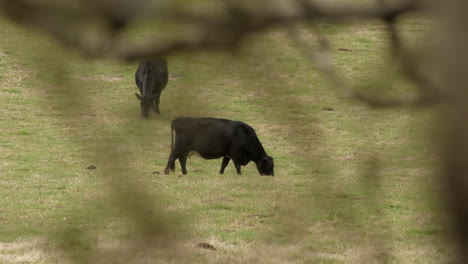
(353, 184)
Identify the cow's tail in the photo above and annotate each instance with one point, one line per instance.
(172, 134)
(172, 139)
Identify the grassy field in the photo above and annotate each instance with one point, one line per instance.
(352, 184)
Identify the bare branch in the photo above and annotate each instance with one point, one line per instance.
(410, 66)
(59, 22)
(322, 59)
(227, 32)
(209, 32)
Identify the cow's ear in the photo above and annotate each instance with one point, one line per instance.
(138, 96)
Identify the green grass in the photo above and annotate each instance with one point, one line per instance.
(352, 185)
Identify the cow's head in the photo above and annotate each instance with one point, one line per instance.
(146, 103)
(266, 166)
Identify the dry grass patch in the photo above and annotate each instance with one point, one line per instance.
(23, 252)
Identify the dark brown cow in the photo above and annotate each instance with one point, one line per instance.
(151, 78)
(214, 138)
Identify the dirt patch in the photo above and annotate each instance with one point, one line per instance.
(205, 246)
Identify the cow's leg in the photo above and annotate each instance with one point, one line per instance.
(178, 151)
(224, 164)
(156, 103)
(170, 163)
(238, 166)
(183, 162)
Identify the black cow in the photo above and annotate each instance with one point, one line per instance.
(151, 78)
(214, 138)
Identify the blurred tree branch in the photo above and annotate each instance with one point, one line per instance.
(64, 24)
(228, 31)
(212, 32)
(220, 32)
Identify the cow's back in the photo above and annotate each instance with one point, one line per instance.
(155, 71)
(210, 137)
(159, 72)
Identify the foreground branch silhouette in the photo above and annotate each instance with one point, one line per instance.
(228, 31)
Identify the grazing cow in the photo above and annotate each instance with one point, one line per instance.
(151, 78)
(214, 138)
